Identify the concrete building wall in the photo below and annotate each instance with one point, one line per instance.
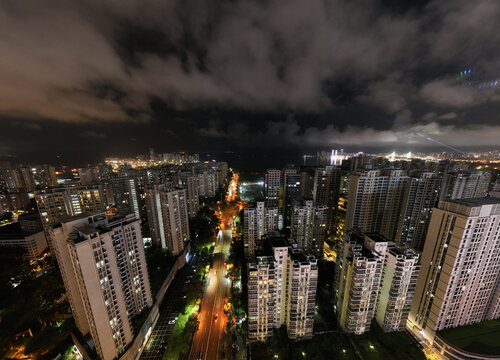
(105, 274)
(397, 288)
(168, 217)
(460, 267)
(33, 244)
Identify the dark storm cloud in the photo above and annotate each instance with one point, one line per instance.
(101, 62)
(405, 131)
(93, 135)
(26, 125)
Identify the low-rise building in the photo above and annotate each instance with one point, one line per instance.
(33, 243)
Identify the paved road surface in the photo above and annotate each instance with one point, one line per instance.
(208, 338)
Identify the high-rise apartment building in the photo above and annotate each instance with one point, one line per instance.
(291, 191)
(126, 195)
(375, 201)
(17, 178)
(104, 172)
(421, 196)
(272, 220)
(207, 182)
(465, 185)
(280, 254)
(460, 276)
(189, 183)
(47, 175)
(308, 226)
(397, 288)
(326, 190)
(273, 187)
(121, 193)
(6, 181)
(307, 181)
(168, 217)
(495, 191)
(222, 170)
(14, 199)
(180, 158)
(301, 295)
(258, 220)
(55, 204)
(281, 291)
(373, 279)
(28, 178)
(357, 281)
(104, 270)
(261, 280)
(253, 226)
(88, 176)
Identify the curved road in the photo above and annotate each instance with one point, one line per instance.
(207, 340)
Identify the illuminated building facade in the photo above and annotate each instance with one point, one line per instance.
(375, 200)
(55, 204)
(258, 220)
(373, 280)
(458, 283)
(168, 217)
(104, 270)
(420, 197)
(282, 286)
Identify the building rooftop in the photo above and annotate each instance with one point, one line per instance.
(279, 242)
(473, 202)
(11, 232)
(356, 237)
(481, 338)
(69, 218)
(298, 256)
(14, 231)
(265, 246)
(367, 253)
(398, 251)
(87, 229)
(14, 228)
(377, 237)
(259, 261)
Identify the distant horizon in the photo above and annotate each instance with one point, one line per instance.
(245, 160)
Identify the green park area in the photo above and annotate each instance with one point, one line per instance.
(337, 345)
(377, 345)
(182, 334)
(482, 338)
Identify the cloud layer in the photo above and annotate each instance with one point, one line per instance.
(95, 62)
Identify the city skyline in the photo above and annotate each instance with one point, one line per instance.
(210, 261)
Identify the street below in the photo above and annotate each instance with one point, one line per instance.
(207, 340)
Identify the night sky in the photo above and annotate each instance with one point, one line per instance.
(83, 80)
